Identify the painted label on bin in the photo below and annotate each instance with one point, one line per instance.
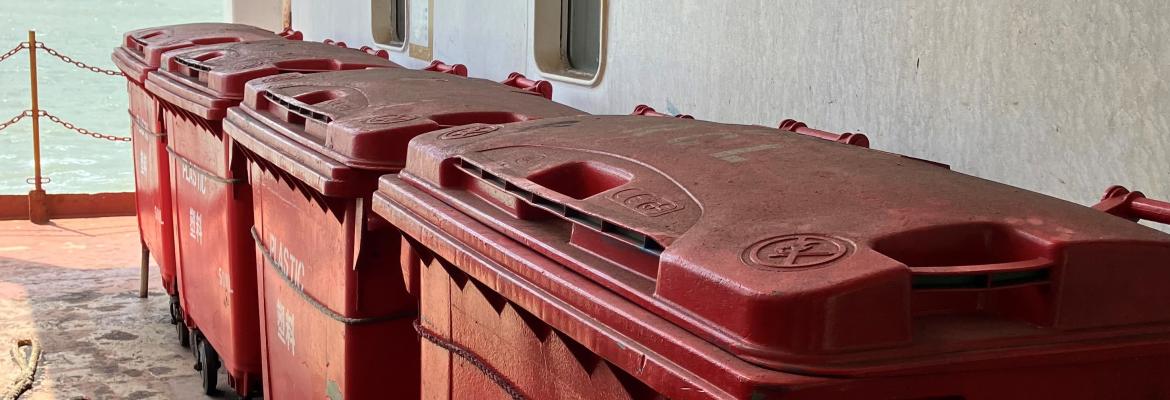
(142, 163)
(194, 178)
(285, 327)
(288, 262)
(195, 225)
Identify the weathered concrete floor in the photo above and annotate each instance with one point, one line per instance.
(73, 286)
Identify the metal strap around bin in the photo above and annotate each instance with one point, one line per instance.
(474, 359)
(316, 304)
(201, 171)
(143, 127)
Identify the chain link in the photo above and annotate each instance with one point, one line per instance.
(20, 47)
(12, 121)
(28, 113)
(76, 63)
(83, 131)
(42, 113)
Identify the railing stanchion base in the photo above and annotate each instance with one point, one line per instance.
(38, 207)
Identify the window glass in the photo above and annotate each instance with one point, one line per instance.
(582, 34)
(389, 22)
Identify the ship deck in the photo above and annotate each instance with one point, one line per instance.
(73, 286)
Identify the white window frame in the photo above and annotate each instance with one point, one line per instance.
(381, 26)
(549, 48)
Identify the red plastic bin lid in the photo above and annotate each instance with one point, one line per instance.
(209, 79)
(363, 119)
(141, 51)
(803, 255)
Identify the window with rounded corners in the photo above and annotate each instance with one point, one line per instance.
(569, 39)
(388, 23)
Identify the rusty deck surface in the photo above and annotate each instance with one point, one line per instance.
(73, 285)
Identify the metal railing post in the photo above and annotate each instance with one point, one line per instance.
(38, 211)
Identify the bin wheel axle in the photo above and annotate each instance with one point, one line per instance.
(181, 329)
(207, 362)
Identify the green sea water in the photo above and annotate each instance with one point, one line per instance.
(88, 31)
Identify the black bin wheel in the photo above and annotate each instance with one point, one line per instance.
(176, 311)
(208, 361)
(184, 333)
(181, 329)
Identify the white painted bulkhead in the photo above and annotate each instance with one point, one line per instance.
(1061, 97)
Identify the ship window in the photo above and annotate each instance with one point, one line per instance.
(582, 36)
(389, 22)
(570, 39)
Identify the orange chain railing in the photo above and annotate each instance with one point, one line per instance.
(37, 211)
(66, 124)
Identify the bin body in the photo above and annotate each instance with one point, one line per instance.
(152, 195)
(675, 256)
(140, 54)
(337, 315)
(212, 194)
(213, 204)
(316, 254)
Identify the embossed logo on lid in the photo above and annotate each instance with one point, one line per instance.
(645, 202)
(277, 78)
(796, 251)
(390, 119)
(471, 131)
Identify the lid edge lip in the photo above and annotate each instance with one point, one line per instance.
(131, 66)
(326, 184)
(356, 163)
(173, 91)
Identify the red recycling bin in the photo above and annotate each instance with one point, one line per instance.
(212, 199)
(633, 257)
(337, 318)
(141, 53)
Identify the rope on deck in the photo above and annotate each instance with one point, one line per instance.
(27, 354)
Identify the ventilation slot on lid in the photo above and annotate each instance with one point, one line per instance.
(192, 64)
(295, 107)
(140, 42)
(195, 64)
(567, 212)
